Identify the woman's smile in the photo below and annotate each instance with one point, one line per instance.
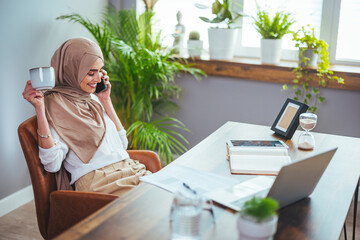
(92, 85)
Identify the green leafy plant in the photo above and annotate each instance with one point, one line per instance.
(142, 74)
(222, 12)
(274, 28)
(306, 84)
(260, 209)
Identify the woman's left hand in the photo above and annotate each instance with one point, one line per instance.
(105, 95)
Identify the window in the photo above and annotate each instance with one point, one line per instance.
(165, 19)
(303, 12)
(348, 37)
(334, 21)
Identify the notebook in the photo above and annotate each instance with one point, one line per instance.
(261, 157)
(294, 182)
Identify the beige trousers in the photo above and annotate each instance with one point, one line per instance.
(117, 178)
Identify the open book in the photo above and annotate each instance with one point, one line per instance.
(263, 157)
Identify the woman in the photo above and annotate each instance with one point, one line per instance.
(79, 130)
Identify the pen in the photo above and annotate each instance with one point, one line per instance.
(189, 188)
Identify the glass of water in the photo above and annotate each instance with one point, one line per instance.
(185, 216)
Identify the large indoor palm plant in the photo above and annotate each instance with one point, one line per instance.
(143, 79)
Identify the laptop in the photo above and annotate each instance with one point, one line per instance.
(294, 182)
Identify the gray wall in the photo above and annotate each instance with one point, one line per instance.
(29, 36)
(212, 101)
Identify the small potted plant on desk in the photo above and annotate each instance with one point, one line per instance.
(222, 37)
(272, 31)
(194, 44)
(307, 84)
(258, 219)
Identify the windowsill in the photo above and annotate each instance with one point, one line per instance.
(253, 69)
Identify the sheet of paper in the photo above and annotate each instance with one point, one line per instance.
(172, 178)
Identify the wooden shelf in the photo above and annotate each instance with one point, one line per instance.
(253, 69)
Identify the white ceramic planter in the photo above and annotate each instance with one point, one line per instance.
(222, 42)
(271, 51)
(309, 53)
(249, 229)
(194, 47)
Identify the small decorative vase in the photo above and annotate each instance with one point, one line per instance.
(194, 47)
(249, 229)
(308, 53)
(271, 51)
(222, 42)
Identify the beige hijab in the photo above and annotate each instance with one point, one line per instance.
(70, 111)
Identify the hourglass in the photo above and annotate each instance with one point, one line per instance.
(306, 139)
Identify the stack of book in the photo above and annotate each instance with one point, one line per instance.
(262, 157)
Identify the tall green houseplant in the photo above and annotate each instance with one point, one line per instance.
(142, 74)
(306, 84)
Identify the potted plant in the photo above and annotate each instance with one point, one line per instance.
(310, 47)
(194, 44)
(310, 76)
(272, 31)
(142, 74)
(222, 37)
(258, 219)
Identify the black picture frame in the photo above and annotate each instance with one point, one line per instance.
(287, 120)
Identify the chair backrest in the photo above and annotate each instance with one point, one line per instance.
(43, 182)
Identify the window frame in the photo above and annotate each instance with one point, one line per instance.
(330, 18)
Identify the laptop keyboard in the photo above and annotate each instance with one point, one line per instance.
(240, 202)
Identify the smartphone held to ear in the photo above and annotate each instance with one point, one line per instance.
(101, 86)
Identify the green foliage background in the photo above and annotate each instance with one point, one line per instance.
(305, 87)
(142, 74)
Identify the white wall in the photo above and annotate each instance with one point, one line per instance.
(29, 36)
(209, 103)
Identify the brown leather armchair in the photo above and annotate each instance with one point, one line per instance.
(59, 210)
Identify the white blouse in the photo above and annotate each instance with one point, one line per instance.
(112, 149)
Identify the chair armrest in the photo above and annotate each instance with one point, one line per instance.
(70, 207)
(149, 158)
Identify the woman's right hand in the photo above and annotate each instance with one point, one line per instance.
(36, 98)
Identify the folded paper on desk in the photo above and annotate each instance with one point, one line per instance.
(235, 196)
(262, 157)
(172, 177)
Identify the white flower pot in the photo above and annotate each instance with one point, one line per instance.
(271, 51)
(222, 42)
(194, 47)
(309, 53)
(249, 229)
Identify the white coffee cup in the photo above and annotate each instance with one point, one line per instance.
(42, 78)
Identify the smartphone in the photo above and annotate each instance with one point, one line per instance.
(101, 86)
